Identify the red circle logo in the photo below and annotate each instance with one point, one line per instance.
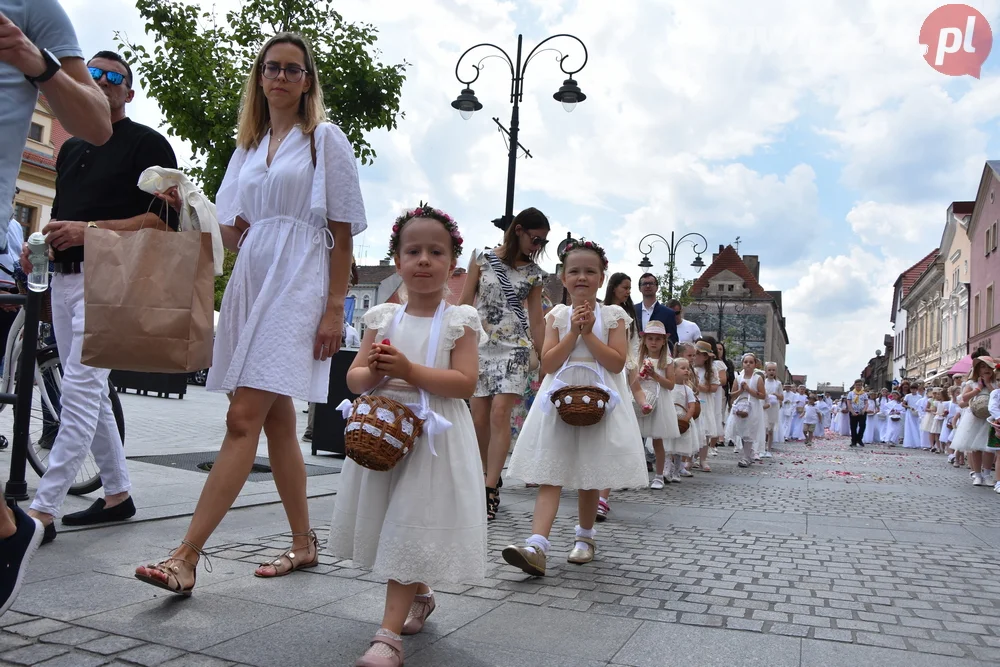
(957, 40)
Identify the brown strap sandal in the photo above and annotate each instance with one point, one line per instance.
(165, 574)
(288, 562)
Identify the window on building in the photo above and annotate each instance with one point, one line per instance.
(25, 215)
(36, 132)
(721, 287)
(989, 233)
(989, 306)
(976, 317)
(994, 236)
(955, 279)
(366, 302)
(731, 288)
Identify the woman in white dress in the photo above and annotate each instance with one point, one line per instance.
(911, 426)
(972, 434)
(291, 216)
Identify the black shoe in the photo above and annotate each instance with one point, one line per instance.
(49, 534)
(97, 513)
(307, 436)
(853, 445)
(15, 552)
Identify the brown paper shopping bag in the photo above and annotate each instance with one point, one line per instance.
(150, 300)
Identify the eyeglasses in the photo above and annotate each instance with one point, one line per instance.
(647, 284)
(114, 78)
(539, 242)
(293, 73)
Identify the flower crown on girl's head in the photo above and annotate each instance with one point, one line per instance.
(425, 211)
(588, 245)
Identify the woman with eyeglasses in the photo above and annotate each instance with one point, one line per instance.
(505, 285)
(289, 204)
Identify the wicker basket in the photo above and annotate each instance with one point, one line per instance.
(697, 410)
(980, 406)
(380, 432)
(44, 307)
(581, 405)
(683, 424)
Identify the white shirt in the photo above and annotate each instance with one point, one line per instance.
(10, 252)
(352, 339)
(812, 415)
(688, 332)
(646, 314)
(995, 404)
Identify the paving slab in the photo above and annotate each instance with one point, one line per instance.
(656, 644)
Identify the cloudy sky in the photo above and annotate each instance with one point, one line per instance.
(814, 131)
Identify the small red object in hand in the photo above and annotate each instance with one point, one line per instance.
(385, 341)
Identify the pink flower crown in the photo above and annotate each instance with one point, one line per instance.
(588, 245)
(425, 211)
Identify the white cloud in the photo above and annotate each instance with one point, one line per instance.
(682, 98)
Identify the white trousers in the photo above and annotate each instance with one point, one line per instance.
(86, 420)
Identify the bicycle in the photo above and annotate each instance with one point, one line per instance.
(46, 405)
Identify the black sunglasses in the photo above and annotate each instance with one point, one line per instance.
(539, 242)
(114, 78)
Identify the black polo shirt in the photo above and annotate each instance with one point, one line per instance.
(96, 183)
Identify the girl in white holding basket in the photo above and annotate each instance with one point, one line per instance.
(652, 381)
(583, 360)
(746, 419)
(423, 520)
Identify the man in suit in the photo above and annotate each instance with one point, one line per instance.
(651, 309)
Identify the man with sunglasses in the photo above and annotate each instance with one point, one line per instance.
(38, 52)
(652, 309)
(96, 186)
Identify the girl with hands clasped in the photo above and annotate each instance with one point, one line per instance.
(423, 521)
(746, 419)
(651, 384)
(585, 344)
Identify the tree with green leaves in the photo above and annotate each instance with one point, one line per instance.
(682, 288)
(199, 61)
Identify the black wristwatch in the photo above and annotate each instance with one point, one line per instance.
(52, 65)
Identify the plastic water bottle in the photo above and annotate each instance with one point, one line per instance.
(38, 255)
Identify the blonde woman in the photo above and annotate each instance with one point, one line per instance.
(290, 203)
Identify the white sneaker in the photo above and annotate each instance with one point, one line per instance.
(674, 478)
(766, 455)
(977, 479)
(996, 487)
(712, 452)
(743, 463)
(657, 483)
(685, 472)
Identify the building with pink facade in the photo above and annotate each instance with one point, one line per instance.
(984, 262)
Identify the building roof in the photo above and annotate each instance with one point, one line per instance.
(907, 278)
(374, 274)
(38, 159)
(728, 260)
(799, 379)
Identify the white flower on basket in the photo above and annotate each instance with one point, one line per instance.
(568, 399)
(586, 399)
(558, 403)
(600, 403)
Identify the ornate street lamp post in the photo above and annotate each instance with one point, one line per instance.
(569, 94)
(694, 238)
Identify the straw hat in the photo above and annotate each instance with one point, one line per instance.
(705, 347)
(989, 361)
(655, 327)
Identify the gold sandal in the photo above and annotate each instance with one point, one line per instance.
(289, 558)
(171, 571)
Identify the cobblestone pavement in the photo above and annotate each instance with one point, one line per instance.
(826, 556)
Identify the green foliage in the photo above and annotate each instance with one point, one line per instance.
(682, 288)
(223, 280)
(199, 61)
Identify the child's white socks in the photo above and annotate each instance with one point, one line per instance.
(538, 543)
(583, 532)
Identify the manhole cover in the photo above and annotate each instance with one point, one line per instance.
(203, 462)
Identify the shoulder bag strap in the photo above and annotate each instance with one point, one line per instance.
(508, 291)
(312, 147)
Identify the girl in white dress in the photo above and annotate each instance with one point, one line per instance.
(423, 521)
(697, 427)
(684, 403)
(651, 383)
(775, 398)
(894, 415)
(785, 418)
(940, 411)
(880, 417)
(844, 423)
(871, 427)
(746, 418)
(709, 384)
(971, 435)
(948, 426)
(798, 412)
(290, 203)
(585, 343)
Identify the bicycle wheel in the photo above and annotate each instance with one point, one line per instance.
(44, 424)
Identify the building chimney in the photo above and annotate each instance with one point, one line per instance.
(753, 263)
(383, 262)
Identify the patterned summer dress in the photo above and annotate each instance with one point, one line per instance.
(505, 353)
